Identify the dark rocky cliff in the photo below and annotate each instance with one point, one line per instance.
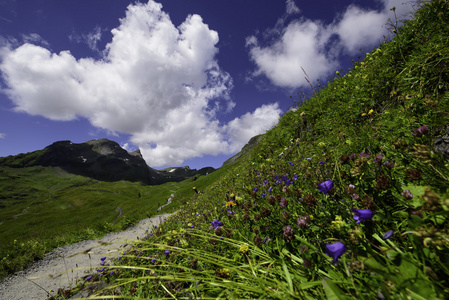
(100, 159)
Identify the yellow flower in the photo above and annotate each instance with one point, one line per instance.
(338, 223)
(230, 203)
(244, 249)
(370, 111)
(364, 114)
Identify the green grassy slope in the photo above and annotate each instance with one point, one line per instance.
(42, 208)
(345, 198)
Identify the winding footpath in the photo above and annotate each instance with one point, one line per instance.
(65, 265)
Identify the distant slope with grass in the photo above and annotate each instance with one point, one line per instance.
(43, 207)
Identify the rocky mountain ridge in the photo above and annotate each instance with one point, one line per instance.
(101, 159)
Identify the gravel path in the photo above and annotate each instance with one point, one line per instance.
(62, 267)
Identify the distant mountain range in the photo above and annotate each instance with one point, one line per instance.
(103, 160)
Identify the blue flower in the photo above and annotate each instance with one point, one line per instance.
(295, 177)
(388, 234)
(153, 261)
(89, 278)
(335, 250)
(325, 186)
(255, 190)
(291, 164)
(216, 224)
(167, 252)
(103, 258)
(362, 214)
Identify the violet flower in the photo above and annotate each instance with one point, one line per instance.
(362, 214)
(325, 186)
(388, 234)
(335, 250)
(216, 224)
(407, 194)
(423, 130)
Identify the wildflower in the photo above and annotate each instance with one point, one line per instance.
(423, 130)
(167, 252)
(364, 154)
(288, 233)
(295, 177)
(407, 194)
(284, 202)
(362, 214)
(255, 190)
(291, 164)
(370, 111)
(216, 224)
(266, 240)
(335, 250)
(355, 197)
(153, 261)
(364, 114)
(378, 159)
(244, 249)
(302, 221)
(338, 223)
(89, 278)
(325, 186)
(230, 203)
(388, 234)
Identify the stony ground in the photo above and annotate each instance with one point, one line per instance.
(65, 265)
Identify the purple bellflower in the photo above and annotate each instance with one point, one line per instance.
(362, 214)
(325, 186)
(216, 224)
(335, 250)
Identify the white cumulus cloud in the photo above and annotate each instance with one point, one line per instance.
(315, 47)
(155, 81)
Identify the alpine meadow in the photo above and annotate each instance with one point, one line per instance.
(347, 197)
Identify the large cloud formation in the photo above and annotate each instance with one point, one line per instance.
(155, 81)
(315, 47)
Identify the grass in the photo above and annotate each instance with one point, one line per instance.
(346, 197)
(43, 208)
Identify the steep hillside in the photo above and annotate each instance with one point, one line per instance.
(346, 198)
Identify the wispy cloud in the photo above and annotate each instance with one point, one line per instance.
(315, 47)
(291, 7)
(91, 39)
(159, 83)
(2, 135)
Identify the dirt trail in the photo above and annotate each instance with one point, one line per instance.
(62, 267)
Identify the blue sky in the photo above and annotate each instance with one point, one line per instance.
(189, 82)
